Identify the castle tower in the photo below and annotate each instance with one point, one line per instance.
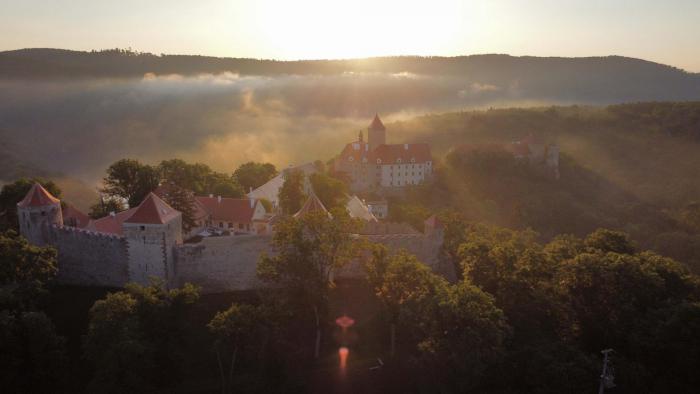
(376, 133)
(37, 212)
(152, 232)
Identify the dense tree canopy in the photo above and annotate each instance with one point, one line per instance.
(105, 206)
(132, 335)
(308, 250)
(252, 175)
(131, 180)
(331, 191)
(291, 195)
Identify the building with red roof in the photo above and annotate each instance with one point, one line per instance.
(376, 164)
(234, 214)
(73, 217)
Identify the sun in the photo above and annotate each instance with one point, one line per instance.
(323, 29)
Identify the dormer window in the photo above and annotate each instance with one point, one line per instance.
(351, 158)
(398, 161)
(379, 161)
(413, 159)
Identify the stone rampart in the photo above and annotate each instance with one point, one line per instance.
(89, 258)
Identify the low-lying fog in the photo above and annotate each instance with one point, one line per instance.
(79, 127)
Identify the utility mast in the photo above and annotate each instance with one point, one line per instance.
(606, 378)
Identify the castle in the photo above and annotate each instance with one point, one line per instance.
(530, 149)
(375, 165)
(147, 241)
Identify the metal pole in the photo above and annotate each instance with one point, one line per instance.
(601, 388)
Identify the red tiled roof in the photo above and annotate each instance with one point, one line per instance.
(390, 154)
(312, 204)
(377, 123)
(153, 210)
(229, 209)
(356, 150)
(37, 197)
(111, 224)
(73, 217)
(165, 190)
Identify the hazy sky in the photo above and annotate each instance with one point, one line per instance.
(663, 31)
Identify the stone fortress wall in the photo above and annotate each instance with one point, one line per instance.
(150, 245)
(216, 264)
(90, 258)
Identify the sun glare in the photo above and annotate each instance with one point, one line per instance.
(318, 29)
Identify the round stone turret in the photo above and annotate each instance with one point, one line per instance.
(37, 213)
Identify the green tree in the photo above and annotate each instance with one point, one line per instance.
(332, 192)
(105, 206)
(32, 355)
(466, 334)
(307, 252)
(183, 201)
(130, 180)
(252, 175)
(407, 290)
(291, 195)
(14, 192)
(223, 185)
(239, 327)
(116, 346)
(136, 337)
(25, 269)
(606, 240)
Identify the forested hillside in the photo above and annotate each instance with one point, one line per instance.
(611, 78)
(630, 167)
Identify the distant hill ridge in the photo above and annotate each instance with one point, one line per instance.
(609, 79)
(47, 62)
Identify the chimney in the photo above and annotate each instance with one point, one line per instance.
(211, 195)
(405, 146)
(250, 190)
(218, 199)
(252, 203)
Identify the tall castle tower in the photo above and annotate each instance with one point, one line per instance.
(376, 133)
(37, 212)
(152, 232)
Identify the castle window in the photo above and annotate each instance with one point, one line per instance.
(230, 225)
(43, 213)
(143, 228)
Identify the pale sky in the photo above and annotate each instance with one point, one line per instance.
(662, 31)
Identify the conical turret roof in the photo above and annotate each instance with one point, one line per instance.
(377, 123)
(152, 210)
(312, 204)
(38, 197)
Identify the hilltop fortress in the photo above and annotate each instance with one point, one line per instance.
(147, 241)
